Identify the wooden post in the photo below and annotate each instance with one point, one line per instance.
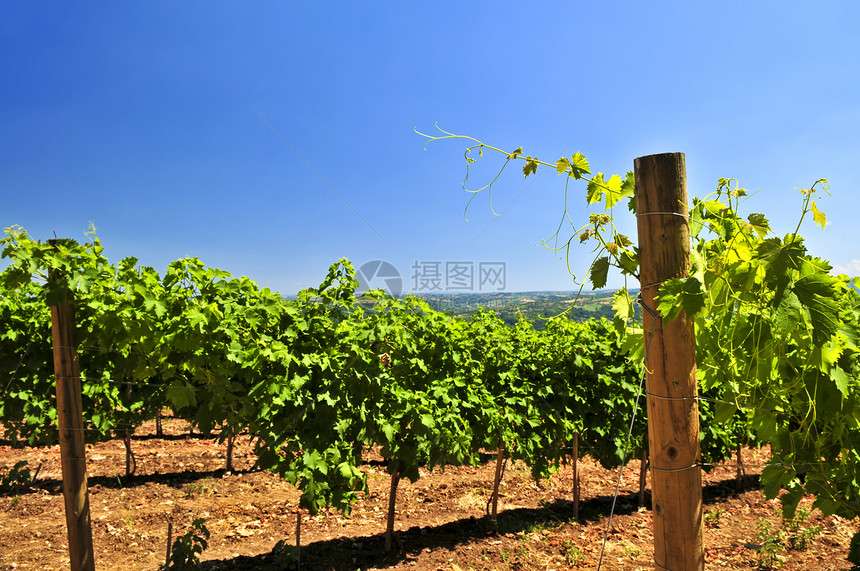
(228, 466)
(576, 477)
(673, 412)
(169, 545)
(71, 429)
(497, 480)
(298, 538)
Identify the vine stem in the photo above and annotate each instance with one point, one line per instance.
(392, 500)
(497, 480)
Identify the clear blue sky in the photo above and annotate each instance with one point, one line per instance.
(147, 120)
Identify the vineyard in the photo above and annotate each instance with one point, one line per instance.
(333, 389)
(440, 521)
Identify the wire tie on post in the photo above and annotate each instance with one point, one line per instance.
(696, 465)
(650, 394)
(638, 214)
(641, 302)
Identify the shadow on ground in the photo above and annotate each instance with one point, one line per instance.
(368, 551)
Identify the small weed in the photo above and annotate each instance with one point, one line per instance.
(771, 548)
(193, 490)
(128, 520)
(798, 537)
(504, 555)
(793, 535)
(14, 501)
(712, 518)
(632, 552)
(573, 555)
(522, 551)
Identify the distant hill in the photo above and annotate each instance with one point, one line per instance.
(536, 306)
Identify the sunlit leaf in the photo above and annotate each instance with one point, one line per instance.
(819, 217)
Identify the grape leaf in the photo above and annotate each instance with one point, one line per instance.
(819, 217)
(599, 272)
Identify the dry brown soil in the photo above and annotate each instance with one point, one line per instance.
(440, 518)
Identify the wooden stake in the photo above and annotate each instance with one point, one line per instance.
(130, 462)
(497, 481)
(576, 477)
(70, 424)
(169, 544)
(298, 538)
(643, 477)
(229, 464)
(673, 412)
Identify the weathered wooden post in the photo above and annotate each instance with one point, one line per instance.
(71, 429)
(673, 411)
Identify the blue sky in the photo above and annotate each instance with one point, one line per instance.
(157, 121)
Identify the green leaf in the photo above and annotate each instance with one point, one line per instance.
(679, 294)
(181, 396)
(613, 191)
(629, 262)
(531, 166)
(841, 379)
(599, 272)
(816, 293)
(315, 461)
(725, 411)
(780, 258)
(759, 224)
(622, 306)
(595, 189)
(347, 471)
(774, 478)
(628, 189)
(389, 430)
(579, 165)
(791, 500)
(788, 314)
(819, 217)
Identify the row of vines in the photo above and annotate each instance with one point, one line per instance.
(319, 380)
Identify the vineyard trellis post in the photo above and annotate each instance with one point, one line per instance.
(673, 412)
(71, 431)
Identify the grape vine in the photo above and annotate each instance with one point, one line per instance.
(776, 332)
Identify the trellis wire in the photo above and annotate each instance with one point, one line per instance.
(626, 446)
